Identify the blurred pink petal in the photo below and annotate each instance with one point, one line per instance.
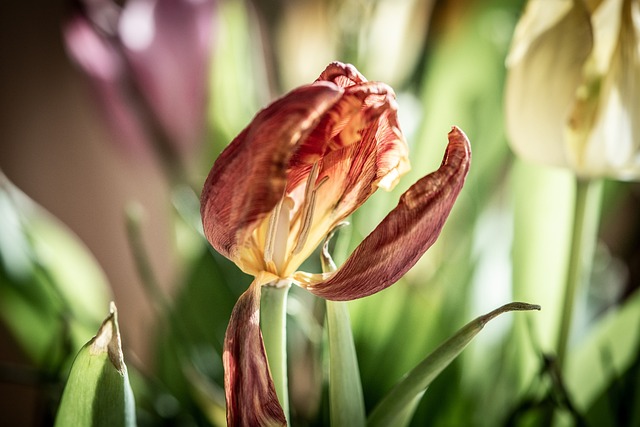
(148, 64)
(168, 43)
(104, 66)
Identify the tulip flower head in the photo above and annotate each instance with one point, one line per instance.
(573, 86)
(304, 164)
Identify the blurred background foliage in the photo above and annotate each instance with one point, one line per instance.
(507, 238)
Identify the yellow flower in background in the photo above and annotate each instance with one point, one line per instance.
(573, 86)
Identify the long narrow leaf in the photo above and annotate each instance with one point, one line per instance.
(392, 409)
(345, 390)
(52, 290)
(346, 401)
(608, 350)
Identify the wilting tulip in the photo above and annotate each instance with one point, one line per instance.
(573, 86)
(148, 65)
(303, 164)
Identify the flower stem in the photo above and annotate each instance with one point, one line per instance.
(345, 390)
(273, 317)
(133, 221)
(346, 400)
(585, 226)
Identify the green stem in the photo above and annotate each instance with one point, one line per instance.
(133, 222)
(346, 401)
(273, 317)
(585, 226)
(345, 390)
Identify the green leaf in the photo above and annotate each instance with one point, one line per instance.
(98, 392)
(187, 346)
(52, 291)
(237, 82)
(619, 403)
(273, 320)
(543, 202)
(345, 390)
(346, 401)
(606, 352)
(393, 409)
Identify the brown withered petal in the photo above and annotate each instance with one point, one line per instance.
(251, 394)
(360, 148)
(249, 176)
(363, 109)
(343, 75)
(405, 234)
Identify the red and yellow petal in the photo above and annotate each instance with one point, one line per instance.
(403, 236)
(366, 152)
(249, 177)
(343, 128)
(250, 392)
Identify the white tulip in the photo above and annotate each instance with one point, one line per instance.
(573, 86)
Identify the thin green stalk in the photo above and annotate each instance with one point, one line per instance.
(398, 405)
(346, 401)
(273, 317)
(133, 222)
(585, 226)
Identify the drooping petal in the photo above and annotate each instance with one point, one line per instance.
(250, 392)
(404, 235)
(249, 176)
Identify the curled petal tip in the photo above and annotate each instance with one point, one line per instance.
(456, 132)
(459, 146)
(342, 74)
(457, 136)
